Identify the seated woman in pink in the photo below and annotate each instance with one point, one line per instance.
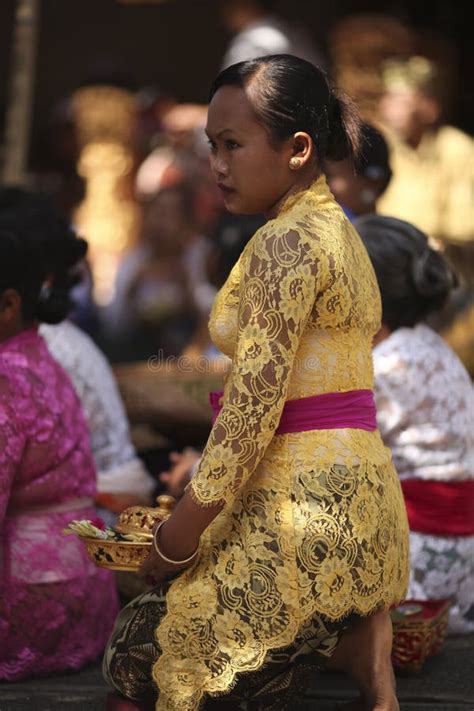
(56, 607)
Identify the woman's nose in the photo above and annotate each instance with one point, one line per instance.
(219, 167)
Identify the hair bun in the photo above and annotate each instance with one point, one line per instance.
(432, 275)
(54, 304)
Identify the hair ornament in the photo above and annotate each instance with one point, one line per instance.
(45, 292)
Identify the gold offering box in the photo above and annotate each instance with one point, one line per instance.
(141, 519)
(126, 554)
(419, 634)
(117, 555)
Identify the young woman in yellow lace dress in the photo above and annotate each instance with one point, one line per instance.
(293, 544)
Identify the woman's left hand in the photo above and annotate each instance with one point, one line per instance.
(156, 569)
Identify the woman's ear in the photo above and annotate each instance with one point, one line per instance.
(302, 150)
(10, 306)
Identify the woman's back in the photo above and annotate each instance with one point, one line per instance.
(425, 411)
(57, 608)
(425, 402)
(48, 438)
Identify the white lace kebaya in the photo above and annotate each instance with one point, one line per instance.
(119, 469)
(425, 413)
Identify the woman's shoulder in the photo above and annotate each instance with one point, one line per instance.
(446, 357)
(452, 141)
(418, 350)
(72, 347)
(18, 382)
(275, 247)
(282, 232)
(14, 368)
(87, 367)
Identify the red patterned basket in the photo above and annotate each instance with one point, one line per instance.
(419, 634)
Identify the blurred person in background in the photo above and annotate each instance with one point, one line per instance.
(162, 292)
(152, 103)
(122, 478)
(432, 162)
(258, 30)
(182, 156)
(358, 185)
(54, 155)
(359, 45)
(177, 145)
(425, 413)
(56, 606)
(433, 182)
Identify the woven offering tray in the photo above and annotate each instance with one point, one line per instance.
(126, 545)
(419, 630)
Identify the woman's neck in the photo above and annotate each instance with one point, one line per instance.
(298, 186)
(7, 333)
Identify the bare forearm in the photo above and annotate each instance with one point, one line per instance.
(180, 535)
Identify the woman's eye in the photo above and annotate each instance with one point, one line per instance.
(212, 146)
(231, 145)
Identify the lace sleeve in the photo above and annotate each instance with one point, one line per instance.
(277, 293)
(12, 443)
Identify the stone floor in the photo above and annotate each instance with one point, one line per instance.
(446, 683)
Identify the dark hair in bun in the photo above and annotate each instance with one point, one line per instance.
(38, 254)
(414, 279)
(290, 94)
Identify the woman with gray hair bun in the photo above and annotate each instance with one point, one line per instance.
(425, 413)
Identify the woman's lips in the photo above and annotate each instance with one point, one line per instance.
(225, 189)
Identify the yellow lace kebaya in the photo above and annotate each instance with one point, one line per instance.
(314, 522)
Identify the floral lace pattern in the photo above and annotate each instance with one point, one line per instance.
(425, 406)
(425, 412)
(314, 522)
(133, 650)
(56, 607)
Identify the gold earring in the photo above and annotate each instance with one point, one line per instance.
(295, 163)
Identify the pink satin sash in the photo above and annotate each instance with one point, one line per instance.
(354, 409)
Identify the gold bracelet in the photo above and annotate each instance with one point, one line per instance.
(163, 557)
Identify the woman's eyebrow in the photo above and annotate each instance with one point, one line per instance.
(218, 135)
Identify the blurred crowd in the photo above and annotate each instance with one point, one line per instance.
(130, 172)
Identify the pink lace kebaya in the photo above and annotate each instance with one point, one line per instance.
(56, 608)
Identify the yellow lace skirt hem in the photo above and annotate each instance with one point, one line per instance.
(328, 542)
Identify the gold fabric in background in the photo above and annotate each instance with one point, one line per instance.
(108, 217)
(433, 185)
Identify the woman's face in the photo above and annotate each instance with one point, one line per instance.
(354, 192)
(164, 222)
(252, 174)
(408, 112)
(11, 318)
